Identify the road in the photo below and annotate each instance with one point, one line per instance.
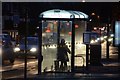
(17, 69)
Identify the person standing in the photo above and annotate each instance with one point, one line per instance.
(62, 55)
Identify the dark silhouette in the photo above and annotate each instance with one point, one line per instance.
(119, 52)
(62, 55)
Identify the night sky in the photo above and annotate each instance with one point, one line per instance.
(35, 8)
(103, 9)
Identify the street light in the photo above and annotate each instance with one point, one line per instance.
(93, 14)
(90, 20)
(98, 17)
(95, 28)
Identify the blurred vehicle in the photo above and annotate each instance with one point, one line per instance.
(32, 47)
(7, 48)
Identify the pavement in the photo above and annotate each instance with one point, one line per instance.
(109, 71)
(70, 76)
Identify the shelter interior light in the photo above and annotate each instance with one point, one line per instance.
(83, 0)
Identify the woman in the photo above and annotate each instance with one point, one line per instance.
(62, 55)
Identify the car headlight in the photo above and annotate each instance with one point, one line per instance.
(92, 41)
(111, 35)
(105, 37)
(16, 49)
(102, 38)
(33, 49)
(98, 39)
(110, 39)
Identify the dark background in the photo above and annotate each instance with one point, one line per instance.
(106, 10)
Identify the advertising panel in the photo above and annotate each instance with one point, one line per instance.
(117, 33)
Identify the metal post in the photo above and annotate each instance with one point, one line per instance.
(73, 47)
(87, 48)
(58, 42)
(58, 35)
(119, 53)
(25, 57)
(87, 54)
(107, 45)
(40, 57)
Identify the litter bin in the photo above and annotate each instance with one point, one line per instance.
(95, 55)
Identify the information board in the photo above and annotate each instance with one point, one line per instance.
(90, 38)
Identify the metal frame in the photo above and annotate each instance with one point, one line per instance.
(72, 41)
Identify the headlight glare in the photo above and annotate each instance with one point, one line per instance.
(16, 49)
(33, 49)
(92, 41)
(102, 38)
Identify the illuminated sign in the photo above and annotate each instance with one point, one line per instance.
(117, 33)
(57, 13)
(86, 38)
(91, 38)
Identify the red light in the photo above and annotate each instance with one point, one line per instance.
(48, 30)
(70, 33)
(76, 26)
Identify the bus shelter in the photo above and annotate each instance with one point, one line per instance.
(59, 24)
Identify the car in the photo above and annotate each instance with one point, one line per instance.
(32, 47)
(7, 48)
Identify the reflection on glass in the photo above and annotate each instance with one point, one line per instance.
(80, 48)
(50, 44)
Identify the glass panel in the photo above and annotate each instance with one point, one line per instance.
(80, 48)
(50, 45)
(65, 33)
